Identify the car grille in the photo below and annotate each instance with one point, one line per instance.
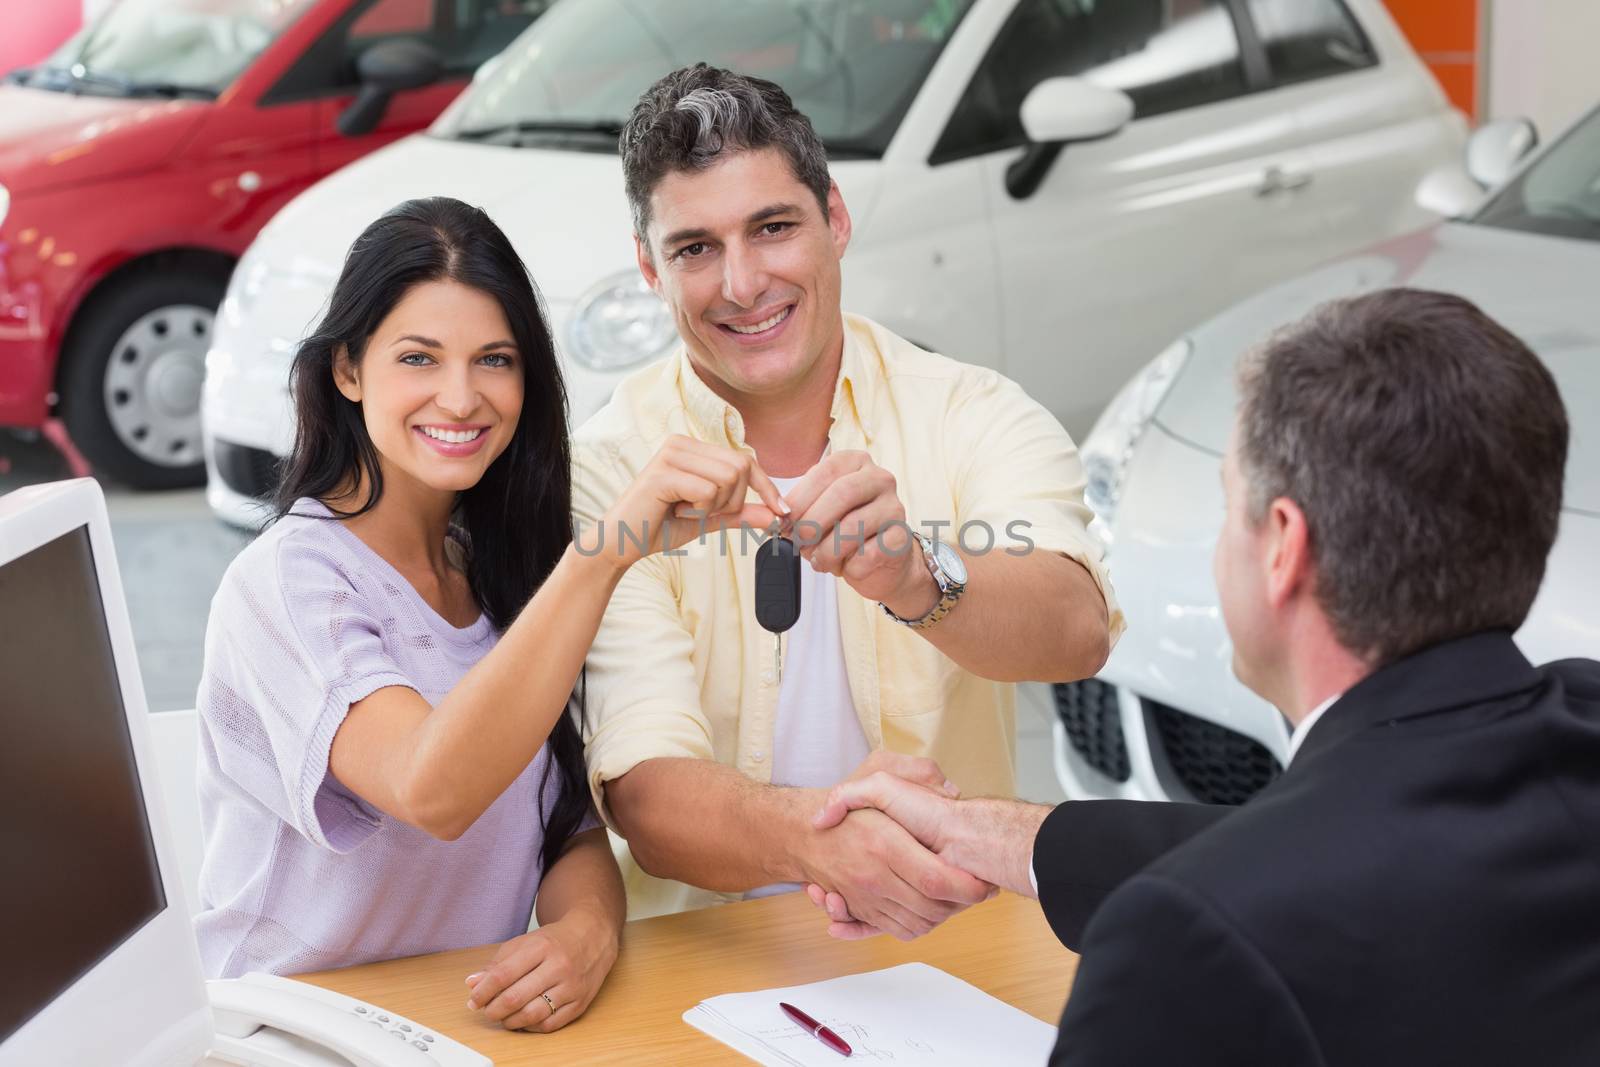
(250, 471)
(1218, 765)
(1090, 713)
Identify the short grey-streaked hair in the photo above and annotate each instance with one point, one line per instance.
(690, 118)
(1426, 446)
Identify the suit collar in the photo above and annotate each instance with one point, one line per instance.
(1463, 671)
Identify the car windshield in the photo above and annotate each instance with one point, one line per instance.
(1560, 193)
(852, 66)
(166, 47)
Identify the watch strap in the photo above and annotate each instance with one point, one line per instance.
(950, 590)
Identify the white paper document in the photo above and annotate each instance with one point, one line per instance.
(911, 1014)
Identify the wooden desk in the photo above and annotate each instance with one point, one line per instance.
(670, 963)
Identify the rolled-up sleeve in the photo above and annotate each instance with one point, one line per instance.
(642, 694)
(1019, 475)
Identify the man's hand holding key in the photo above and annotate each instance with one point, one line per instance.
(848, 520)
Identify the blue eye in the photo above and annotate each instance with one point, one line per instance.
(416, 359)
(497, 359)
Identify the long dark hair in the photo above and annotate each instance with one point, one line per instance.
(517, 521)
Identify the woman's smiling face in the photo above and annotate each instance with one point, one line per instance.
(440, 386)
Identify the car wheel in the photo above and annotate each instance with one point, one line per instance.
(131, 373)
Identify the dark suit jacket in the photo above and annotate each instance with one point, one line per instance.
(1421, 886)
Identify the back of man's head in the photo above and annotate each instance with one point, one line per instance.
(693, 117)
(1426, 446)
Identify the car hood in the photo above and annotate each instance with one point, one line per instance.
(1539, 287)
(564, 210)
(49, 139)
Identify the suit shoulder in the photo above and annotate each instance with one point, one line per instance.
(1579, 677)
(1239, 864)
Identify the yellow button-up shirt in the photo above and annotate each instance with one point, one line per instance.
(680, 667)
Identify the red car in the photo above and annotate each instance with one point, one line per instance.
(138, 162)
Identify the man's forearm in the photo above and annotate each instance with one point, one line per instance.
(700, 822)
(1033, 618)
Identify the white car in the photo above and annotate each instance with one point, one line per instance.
(1166, 719)
(1051, 188)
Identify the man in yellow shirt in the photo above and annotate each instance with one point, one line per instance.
(939, 511)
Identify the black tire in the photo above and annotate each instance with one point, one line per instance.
(156, 443)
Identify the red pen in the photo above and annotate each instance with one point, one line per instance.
(818, 1031)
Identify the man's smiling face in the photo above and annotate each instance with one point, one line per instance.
(749, 264)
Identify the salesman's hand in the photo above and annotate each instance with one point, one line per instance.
(919, 770)
(848, 520)
(886, 879)
(915, 806)
(908, 913)
(566, 960)
(687, 489)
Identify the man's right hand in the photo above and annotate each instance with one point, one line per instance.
(886, 879)
(912, 803)
(878, 868)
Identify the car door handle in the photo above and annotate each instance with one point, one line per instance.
(1282, 180)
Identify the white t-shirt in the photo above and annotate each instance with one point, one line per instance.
(817, 738)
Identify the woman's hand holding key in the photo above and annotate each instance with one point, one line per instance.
(689, 488)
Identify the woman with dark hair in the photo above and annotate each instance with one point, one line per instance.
(390, 763)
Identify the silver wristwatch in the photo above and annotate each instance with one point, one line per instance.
(949, 574)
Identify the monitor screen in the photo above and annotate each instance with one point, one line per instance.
(81, 873)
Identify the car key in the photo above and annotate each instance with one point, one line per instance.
(777, 592)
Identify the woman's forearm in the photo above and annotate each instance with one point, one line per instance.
(585, 880)
(468, 749)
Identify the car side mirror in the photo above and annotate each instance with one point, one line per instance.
(1449, 190)
(1058, 112)
(1456, 189)
(488, 67)
(385, 69)
(1495, 149)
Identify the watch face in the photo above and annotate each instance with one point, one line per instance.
(950, 562)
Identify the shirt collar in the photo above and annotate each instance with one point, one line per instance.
(1306, 724)
(717, 421)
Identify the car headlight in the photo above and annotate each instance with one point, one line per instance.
(1110, 444)
(621, 322)
(5, 203)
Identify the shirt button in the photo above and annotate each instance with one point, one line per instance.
(758, 755)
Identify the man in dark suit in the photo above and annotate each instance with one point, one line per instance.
(1422, 885)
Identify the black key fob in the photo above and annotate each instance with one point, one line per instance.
(777, 584)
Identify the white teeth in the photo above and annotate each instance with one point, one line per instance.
(453, 437)
(758, 327)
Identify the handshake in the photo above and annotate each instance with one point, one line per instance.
(897, 852)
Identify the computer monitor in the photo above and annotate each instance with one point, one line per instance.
(98, 962)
